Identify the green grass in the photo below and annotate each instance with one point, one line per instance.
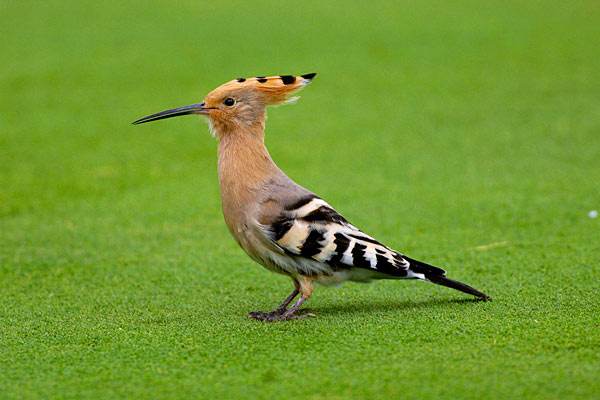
(438, 127)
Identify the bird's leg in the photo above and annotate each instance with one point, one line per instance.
(283, 306)
(291, 313)
(304, 286)
(269, 316)
(305, 289)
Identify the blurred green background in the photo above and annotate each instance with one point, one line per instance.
(462, 133)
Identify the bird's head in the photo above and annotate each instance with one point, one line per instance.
(241, 102)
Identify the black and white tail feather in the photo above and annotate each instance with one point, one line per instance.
(314, 235)
(438, 276)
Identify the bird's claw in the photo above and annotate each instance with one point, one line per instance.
(264, 316)
(278, 315)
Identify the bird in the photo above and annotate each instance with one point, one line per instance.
(279, 224)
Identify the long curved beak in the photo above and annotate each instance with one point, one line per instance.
(199, 108)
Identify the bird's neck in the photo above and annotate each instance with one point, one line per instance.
(244, 167)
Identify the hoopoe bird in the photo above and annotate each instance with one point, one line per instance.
(278, 223)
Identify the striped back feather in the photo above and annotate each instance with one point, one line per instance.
(312, 228)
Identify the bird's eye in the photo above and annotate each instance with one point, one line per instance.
(229, 101)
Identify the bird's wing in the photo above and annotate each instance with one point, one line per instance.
(311, 228)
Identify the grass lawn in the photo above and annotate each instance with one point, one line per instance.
(465, 134)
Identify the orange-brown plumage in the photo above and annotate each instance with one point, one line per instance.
(244, 163)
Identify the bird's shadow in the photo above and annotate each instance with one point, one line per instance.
(380, 306)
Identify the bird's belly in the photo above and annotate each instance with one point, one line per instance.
(353, 274)
(256, 248)
(336, 278)
(276, 260)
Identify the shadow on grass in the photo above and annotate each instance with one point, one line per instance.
(380, 306)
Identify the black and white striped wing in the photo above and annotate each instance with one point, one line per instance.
(311, 228)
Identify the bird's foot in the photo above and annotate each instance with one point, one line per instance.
(265, 315)
(279, 315)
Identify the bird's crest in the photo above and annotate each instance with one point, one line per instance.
(276, 89)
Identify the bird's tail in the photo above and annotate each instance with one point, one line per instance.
(438, 276)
